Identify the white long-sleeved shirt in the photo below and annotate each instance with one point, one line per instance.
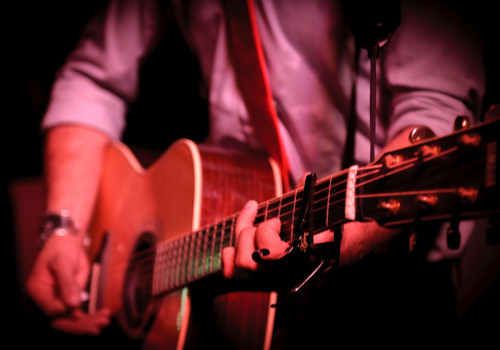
(430, 72)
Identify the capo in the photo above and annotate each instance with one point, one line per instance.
(323, 256)
(305, 239)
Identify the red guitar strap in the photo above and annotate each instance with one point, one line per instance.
(248, 61)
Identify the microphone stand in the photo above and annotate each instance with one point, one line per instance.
(373, 23)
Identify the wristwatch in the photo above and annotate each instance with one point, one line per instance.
(59, 224)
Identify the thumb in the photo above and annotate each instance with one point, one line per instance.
(66, 284)
(302, 180)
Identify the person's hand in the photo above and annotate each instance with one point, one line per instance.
(56, 282)
(359, 239)
(236, 262)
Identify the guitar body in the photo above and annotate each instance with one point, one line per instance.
(188, 187)
(164, 228)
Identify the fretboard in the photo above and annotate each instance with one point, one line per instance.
(182, 261)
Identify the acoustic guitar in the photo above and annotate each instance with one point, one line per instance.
(159, 230)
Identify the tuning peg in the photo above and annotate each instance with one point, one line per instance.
(493, 231)
(453, 235)
(461, 123)
(493, 112)
(420, 133)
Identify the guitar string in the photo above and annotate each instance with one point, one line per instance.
(237, 214)
(216, 241)
(186, 277)
(150, 256)
(189, 261)
(286, 196)
(329, 179)
(175, 244)
(215, 233)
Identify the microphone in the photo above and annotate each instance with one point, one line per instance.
(373, 23)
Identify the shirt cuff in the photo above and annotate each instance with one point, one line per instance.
(80, 101)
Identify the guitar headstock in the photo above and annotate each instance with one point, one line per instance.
(449, 178)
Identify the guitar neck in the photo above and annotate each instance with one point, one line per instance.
(199, 254)
(403, 186)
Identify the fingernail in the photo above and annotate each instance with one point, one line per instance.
(251, 204)
(84, 296)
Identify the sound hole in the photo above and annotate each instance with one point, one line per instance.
(138, 281)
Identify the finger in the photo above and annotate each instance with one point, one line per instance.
(100, 318)
(65, 280)
(302, 180)
(245, 248)
(103, 312)
(267, 237)
(42, 293)
(325, 236)
(228, 255)
(246, 218)
(81, 323)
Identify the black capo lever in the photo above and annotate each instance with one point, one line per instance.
(303, 252)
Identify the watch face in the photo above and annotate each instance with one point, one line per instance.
(51, 222)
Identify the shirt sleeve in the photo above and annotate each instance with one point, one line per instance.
(100, 77)
(433, 68)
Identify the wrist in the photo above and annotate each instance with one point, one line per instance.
(60, 224)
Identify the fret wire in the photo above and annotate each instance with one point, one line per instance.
(198, 249)
(190, 256)
(183, 265)
(279, 208)
(283, 214)
(293, 215)
(195, 258)
(164, 264)
(157, 268)
(328, 201)
(172, 264)
(205, 245)
(181, 262)
(232, 231)
(267, 208)
(187, 241)
(180, 252)
(178, 265)
(178, 271)
(221, 242)
(167, 254)
(212, 250)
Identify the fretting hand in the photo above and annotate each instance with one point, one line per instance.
(359, 239)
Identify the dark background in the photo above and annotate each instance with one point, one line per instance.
(40, 34)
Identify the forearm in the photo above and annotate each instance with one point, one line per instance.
(73, 162)
(359, 239)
